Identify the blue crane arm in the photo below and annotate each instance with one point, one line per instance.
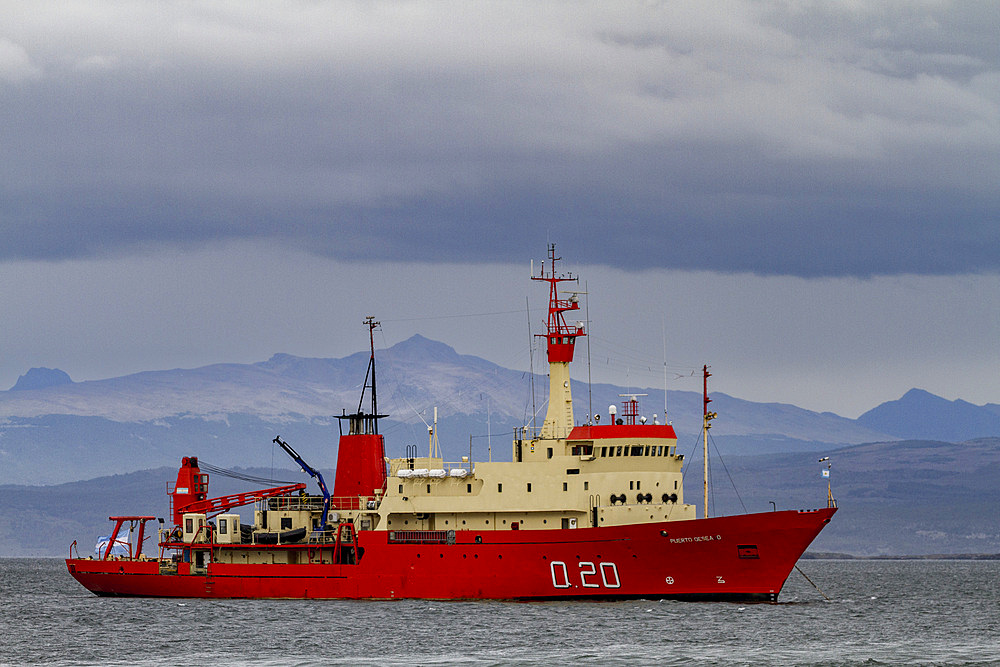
(312, 472)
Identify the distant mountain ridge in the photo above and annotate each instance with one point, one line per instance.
(55, 430)
(40, 378)
(922, 415)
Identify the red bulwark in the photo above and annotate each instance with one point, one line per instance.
(622, 431)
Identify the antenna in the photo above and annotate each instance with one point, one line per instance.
(531, 360)
(663, 328)
(590, 384)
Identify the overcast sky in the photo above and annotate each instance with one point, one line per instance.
(803, 195)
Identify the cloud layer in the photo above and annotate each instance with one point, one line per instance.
(791, 138)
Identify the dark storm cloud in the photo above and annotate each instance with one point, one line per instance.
(779, 138)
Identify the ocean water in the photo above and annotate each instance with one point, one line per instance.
(879, 613)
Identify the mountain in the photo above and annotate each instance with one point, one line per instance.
(228, 414)
(40, 378)
(922, 415)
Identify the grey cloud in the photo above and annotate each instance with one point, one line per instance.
(774, 138)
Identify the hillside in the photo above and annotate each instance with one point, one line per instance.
(909, 497)
(902, 497)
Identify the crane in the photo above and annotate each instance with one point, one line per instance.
(312, 472)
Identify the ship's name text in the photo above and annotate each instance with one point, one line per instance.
(699, 538)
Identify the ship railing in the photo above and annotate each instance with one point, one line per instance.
(315, 503)
(527, 432)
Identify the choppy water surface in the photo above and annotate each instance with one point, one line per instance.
(881, 612)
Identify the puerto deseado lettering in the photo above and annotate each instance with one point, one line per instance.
(601, 575)
(699, 538)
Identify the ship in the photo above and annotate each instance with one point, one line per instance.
(585, 510)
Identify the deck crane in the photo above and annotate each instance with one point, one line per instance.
(190, 493)
(312, 472)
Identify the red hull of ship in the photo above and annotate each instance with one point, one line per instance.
(746, 557)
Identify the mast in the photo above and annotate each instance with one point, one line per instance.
(360, 421)
(560, 343)
(706, 424)
(372, 325)
(361, 452)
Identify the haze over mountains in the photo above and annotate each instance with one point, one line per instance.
(55, 430)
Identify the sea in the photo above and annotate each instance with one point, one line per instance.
(833, 612)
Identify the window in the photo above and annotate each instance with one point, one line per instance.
(188, 525)
(428, 488)
(529, 487)
(565, 486)
(604, 451)
(468, 488)
(647, 450)
(499, 488)
(223, 526)
(631, 485)
(618, 451)
(286, 522)
(586, 486)
(548, 453)
(572, 471)
(638, 484)
(400, 488)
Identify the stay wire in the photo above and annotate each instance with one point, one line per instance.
(246, 477)
(718, 454)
